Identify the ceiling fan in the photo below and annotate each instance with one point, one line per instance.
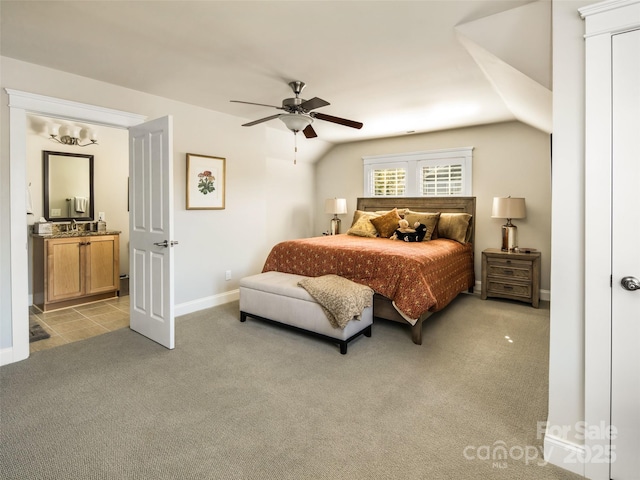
(298, 115)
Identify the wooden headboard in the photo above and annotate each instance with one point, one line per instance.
(423, 204)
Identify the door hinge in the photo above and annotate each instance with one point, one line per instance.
(610, 280)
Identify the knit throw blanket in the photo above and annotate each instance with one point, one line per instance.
(340, 298)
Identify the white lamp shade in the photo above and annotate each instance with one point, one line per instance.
(92, 134)
(295, 121)
(508, 207)
(75, 132)
(54, 129)
(335, 206)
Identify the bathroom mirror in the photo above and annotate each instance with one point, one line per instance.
(68, 186)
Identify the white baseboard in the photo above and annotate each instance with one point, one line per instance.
(564, 454)
(206, 302)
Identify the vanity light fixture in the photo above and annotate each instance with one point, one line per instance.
(70, 135)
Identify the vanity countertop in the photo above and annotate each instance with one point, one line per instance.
(77, 234)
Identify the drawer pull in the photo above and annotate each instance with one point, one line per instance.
(508, 272)
(507, 287)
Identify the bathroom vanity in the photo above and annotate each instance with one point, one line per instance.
(70, 268)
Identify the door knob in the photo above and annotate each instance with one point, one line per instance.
(630, 283)
(165, 244)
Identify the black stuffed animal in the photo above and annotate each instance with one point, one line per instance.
(407, 234)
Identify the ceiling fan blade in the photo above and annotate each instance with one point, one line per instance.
(341, 121)
(266, 119)
(261, 104)
(309, 132)
(314, 103)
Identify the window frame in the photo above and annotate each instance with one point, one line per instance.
(414, 162)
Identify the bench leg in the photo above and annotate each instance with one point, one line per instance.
(367, 332)
(416, 332)
(343, 348)
(243, 316)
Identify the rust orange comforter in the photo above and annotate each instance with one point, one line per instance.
(418, 277)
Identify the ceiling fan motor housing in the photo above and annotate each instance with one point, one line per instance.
(293, 104)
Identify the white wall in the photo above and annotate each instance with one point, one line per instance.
(508, 159)
(268, 197)
(566, 355)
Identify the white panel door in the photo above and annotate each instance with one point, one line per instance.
(151, 230)
(625, 320)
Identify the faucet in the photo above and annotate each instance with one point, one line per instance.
(74, 225)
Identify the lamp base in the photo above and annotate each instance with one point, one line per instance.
(509, 238)
(335, 225)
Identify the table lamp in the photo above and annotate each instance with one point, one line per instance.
(335, 206)
(509, 207)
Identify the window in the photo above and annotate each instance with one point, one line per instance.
(389, 180)
(419, 174)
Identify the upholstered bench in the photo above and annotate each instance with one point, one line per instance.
(276, 297)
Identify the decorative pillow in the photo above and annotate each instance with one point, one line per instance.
(363, 227)
(386, 224)
(401, 211)
(455, 226)
(359, 213)
(430, 220)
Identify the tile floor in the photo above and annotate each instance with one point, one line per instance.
(80, 322)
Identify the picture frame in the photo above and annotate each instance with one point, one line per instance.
(206, 189)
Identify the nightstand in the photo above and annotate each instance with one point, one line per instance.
(511, 275)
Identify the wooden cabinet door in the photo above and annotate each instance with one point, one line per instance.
(65, 269)
(102, 256)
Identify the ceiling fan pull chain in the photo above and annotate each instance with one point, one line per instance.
(295, 147)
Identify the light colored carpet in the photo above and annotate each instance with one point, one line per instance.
(254, 401)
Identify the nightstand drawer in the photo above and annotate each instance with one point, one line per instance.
(496, 287)
(515, 270)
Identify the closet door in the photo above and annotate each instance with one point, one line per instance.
(625, 301)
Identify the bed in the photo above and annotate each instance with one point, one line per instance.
(411, 280)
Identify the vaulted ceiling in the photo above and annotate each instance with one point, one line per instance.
(396, 66)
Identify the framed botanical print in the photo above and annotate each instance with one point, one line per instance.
(205, 182)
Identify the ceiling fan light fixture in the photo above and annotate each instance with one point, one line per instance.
(296, 122)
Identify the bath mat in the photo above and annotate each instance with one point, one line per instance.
(36, 332)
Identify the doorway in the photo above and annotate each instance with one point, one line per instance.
(109, 197)
(21, 104)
